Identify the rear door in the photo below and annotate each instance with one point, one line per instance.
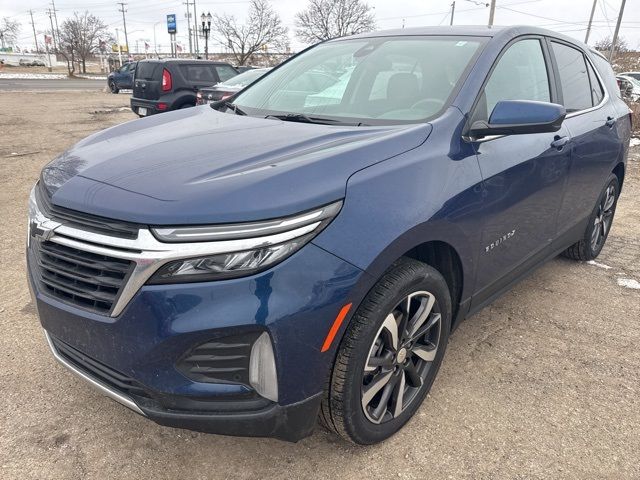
(591, 120)
(147, 80)
(199, 75)
(523, 175)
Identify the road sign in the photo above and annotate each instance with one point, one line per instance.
(171, 23)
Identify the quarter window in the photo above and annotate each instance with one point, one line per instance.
(574, 78)
(520, 74)
(597, 93)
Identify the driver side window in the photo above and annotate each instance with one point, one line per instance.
(520, 74)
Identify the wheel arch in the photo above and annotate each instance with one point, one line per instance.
(619, 171)
(445, 259)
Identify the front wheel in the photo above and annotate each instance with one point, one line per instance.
(390, 354)
(599, 226)
(113, 87)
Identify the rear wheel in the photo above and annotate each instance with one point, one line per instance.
(113, 87)
(599, 224)
(390, 354)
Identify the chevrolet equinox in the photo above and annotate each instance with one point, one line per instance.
(305, 248)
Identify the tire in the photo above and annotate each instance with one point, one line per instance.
(113, 87)
(187, 105)
(365, 356)
(599, 225)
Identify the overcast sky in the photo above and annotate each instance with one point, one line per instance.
(567, 16)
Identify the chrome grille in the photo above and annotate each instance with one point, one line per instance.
(82, 278)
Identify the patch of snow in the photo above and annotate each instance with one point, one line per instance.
(596, 264)
(32, 76)
(634, 142)
(92, 77)
(629, 283)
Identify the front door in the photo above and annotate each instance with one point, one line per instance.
(523, 175)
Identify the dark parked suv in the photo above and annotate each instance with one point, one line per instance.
(306, 250)
(163, 85)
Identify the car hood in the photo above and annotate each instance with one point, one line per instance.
(197, 165)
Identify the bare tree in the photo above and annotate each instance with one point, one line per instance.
(263, 29)
(9, 31)
(604, 45)
(80, 36)
(326, 19)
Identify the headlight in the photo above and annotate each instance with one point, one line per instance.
(269, 242)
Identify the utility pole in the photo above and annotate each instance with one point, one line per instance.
(593, 9)
(617, 30)
(124, 22)
(187, 3)
(53, 31)
(492, 12)
(55, 17)
(453, 9)
(35, 37)
(195, 32)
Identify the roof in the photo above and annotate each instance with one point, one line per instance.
(465, 30)
(505, 32)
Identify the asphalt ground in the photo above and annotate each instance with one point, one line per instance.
(8, 84)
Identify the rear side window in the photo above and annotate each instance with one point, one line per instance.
(147, 70)
(597, 93)
(574, 78)
(199, 73)
(520, 74)
(225, 72)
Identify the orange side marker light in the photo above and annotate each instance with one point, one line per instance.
(335, 327)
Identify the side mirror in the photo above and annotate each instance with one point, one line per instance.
(513, 117)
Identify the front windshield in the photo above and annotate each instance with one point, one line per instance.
(370, 81)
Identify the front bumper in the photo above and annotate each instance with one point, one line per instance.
(290, 423)
(295, 302)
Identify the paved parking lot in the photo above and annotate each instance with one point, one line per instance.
(544, 383)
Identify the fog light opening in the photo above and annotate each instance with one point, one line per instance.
(262, 368)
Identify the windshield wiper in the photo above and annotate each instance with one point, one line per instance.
(236, 109)
(301, 117)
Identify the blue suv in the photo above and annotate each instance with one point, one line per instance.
(122, 78)
(304, 249)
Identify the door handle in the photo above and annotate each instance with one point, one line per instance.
(611, 121)
(559, 142)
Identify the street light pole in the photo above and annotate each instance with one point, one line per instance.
(206, 28)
